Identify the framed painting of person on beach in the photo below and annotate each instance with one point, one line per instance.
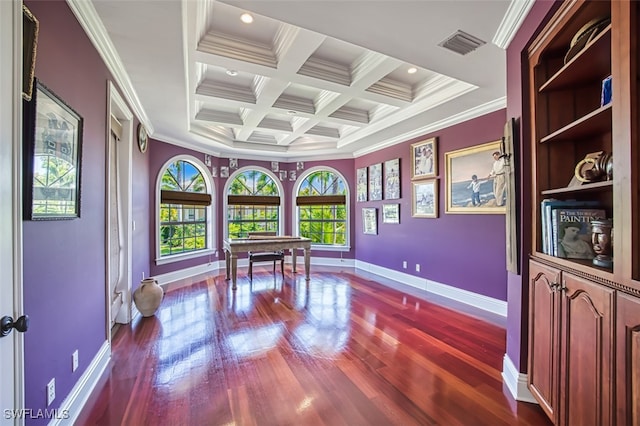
(476, 180)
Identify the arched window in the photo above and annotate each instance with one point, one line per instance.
(253, 202)
(185, 214)
(322, 209)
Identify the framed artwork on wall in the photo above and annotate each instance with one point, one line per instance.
(391, 213)
(370, 220)
(424, 198)
(476, 179)
(52, 157)
(375, 182)
(424, 159)
(392, 179)
(361, 184)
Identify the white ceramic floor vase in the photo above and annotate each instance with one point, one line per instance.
(148, 297)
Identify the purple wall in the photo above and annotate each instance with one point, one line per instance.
(463, 251)
(64, 261)
(517, 287)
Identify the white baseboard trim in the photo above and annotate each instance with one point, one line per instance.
(489, 304)
(74, 402)
(170, 277)
(401, 277)
(516, 382)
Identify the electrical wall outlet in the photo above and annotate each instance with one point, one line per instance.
(417, 267)
(404, 264)
(74, 361)
(51, 391)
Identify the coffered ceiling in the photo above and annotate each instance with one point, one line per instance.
(306, 79)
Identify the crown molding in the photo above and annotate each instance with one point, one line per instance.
(511, 22)
(88, 18)
(472, 113)
(219, 44)
(326, 70)
(226, 91)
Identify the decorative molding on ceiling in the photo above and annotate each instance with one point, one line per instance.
(222, 117)
(262, 138)
(294, 103)
(324, 131)
(351, 114)
(219, 44)
(275, 124)
(87, 16)
(479, 111)
(326, 70)
(511, 22)
(393, 89)
(226, 91)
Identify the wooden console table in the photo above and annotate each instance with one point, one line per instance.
(243, 245)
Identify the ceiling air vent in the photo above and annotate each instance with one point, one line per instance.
(462, 43)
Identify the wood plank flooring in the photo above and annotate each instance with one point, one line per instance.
(341, 349)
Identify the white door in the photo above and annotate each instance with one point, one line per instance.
(11, 373)
(119, 213)
(117, 279)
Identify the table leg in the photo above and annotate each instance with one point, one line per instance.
(293, 260)
(307, 262)
(234, 270)
(227, 260)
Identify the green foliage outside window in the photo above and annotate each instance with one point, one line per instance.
(325, 223)
(242, 219)
(183, 228)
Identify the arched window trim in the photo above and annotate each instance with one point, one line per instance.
(296, 212)
(211, 212)
(280, 194)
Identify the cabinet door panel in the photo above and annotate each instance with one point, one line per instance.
(586, 352)
(628, 360)
(543, 337)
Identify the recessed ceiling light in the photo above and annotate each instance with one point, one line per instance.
(246, 18)
(291, 112)
(412, 70)
(232, 73)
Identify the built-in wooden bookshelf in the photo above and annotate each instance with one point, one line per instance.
(584, 318)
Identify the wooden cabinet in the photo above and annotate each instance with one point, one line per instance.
(571, 346)
(584, 320)
(544, 354)
(628, 360)
(586, 352)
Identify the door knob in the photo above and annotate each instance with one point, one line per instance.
(7, 323)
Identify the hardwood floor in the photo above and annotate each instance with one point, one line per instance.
(339, 350)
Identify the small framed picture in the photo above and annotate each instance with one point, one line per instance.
(293, 175)
(361, 184)
(233, 163)
(214, 171)
(207, 160)
(375, 182)
(424, 198)
(224, 172)
(424, 159)
(275, 166)
(391, 213)
(300, 166)
(370, 220)
(392, 179)
(283, 175)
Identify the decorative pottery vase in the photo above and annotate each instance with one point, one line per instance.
(601, 236)
(148, 297)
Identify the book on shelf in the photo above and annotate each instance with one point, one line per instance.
(546, 208)
(571, 231)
